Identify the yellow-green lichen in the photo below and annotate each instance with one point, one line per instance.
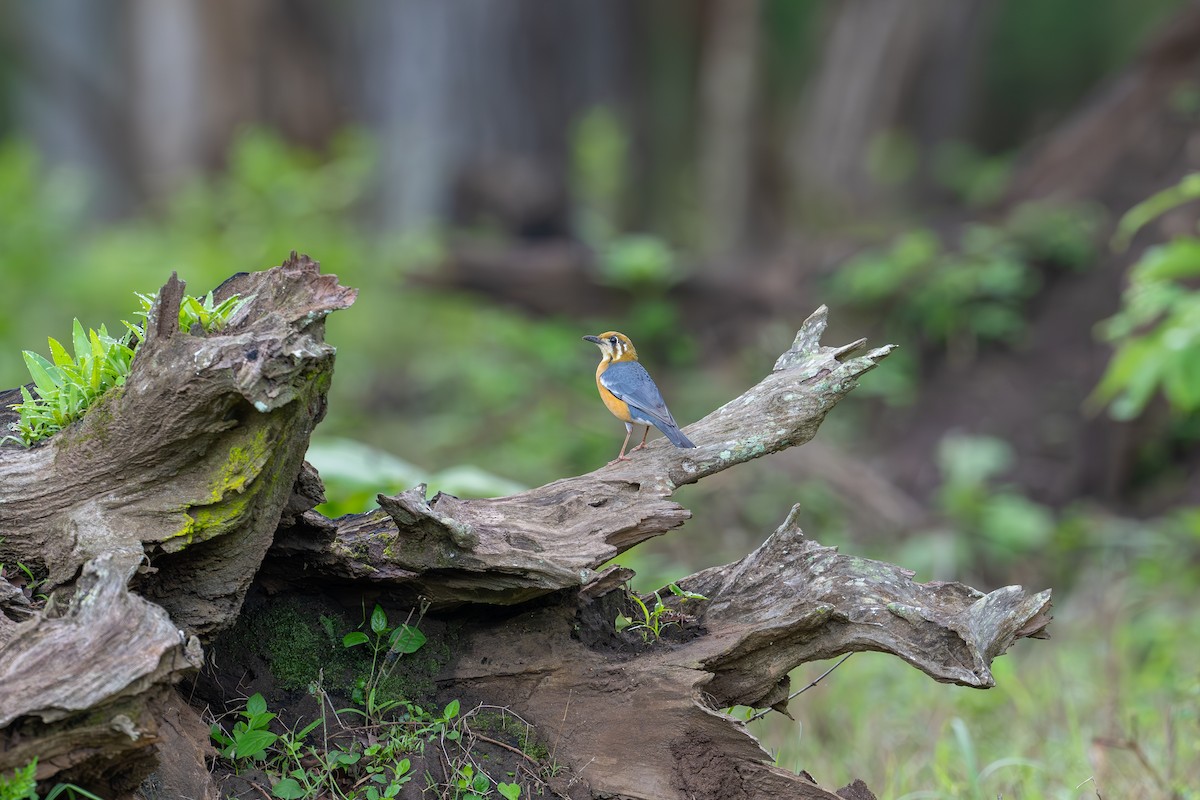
(242, 465)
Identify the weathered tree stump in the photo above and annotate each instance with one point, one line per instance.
(153, 515)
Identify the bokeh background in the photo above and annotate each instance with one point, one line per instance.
(500, 178)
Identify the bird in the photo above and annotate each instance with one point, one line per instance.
(630, 393)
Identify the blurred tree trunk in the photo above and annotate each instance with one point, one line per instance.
(475, 101)
(68, 89)
(880, 60)
(166, 55)
(144, 94)
(729, 86)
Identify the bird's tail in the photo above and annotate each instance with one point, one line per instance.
(676, 436)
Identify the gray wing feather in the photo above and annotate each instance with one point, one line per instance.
(629, 381)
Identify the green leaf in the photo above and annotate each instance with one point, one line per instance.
(255, 704)
(451, 710)
(686, 595)
(190, 312)
(79, 338)
(1178, 259)
(1181, 379)
(346, 758)
(288, 789)
(1154, 206)
(45, 376)
(407, 639)
(355, 638)
(22, 784)
(259, 721)
(1130, 380)
(252, 744)
(378, 620)
(307, 729)
(59, 353)
(511, 791)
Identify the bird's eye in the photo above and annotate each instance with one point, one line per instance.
(612, 340)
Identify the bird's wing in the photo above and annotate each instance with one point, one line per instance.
(629, 381)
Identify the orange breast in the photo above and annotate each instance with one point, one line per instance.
(618, 407)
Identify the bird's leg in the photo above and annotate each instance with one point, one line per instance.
(621, 456)
(645, 433)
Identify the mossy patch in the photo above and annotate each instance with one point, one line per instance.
(300, 640)
(242, 464)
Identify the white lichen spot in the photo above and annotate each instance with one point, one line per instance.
(262, 406)
(124, 724)
(725, 455)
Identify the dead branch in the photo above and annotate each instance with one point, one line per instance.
(509, 550)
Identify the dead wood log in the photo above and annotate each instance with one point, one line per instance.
(791, 601)
(562, 664)
(193, 466)
(172, 486)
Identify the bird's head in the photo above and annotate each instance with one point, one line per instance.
(614, 346)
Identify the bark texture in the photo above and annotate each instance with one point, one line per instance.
(152, 516)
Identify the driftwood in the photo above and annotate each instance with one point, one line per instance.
(153, 515)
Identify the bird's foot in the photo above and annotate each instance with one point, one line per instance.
(641, 446)
(619, 459)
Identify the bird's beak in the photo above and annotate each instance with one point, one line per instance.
(592, 339)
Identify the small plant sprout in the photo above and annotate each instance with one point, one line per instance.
(250, 737)
(69, 383)
(66, 386)
(22, 785)
(192, 311)
(388, 643)
(651, 622)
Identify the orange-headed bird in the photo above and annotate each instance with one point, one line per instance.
(630, 394)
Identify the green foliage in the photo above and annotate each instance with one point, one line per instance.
(193, 311)
(22, 785)
(638, 261)
(250, 737)
(272, 199)
(651, 622)
(975, 291)
(977, 179)
(367, 760)
(66, 388)
(1156, 332)
(988, 523)
(388, 644)
(24, 576)
(599, 159)
(599, 163)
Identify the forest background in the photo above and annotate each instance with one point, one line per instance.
(501, 178)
